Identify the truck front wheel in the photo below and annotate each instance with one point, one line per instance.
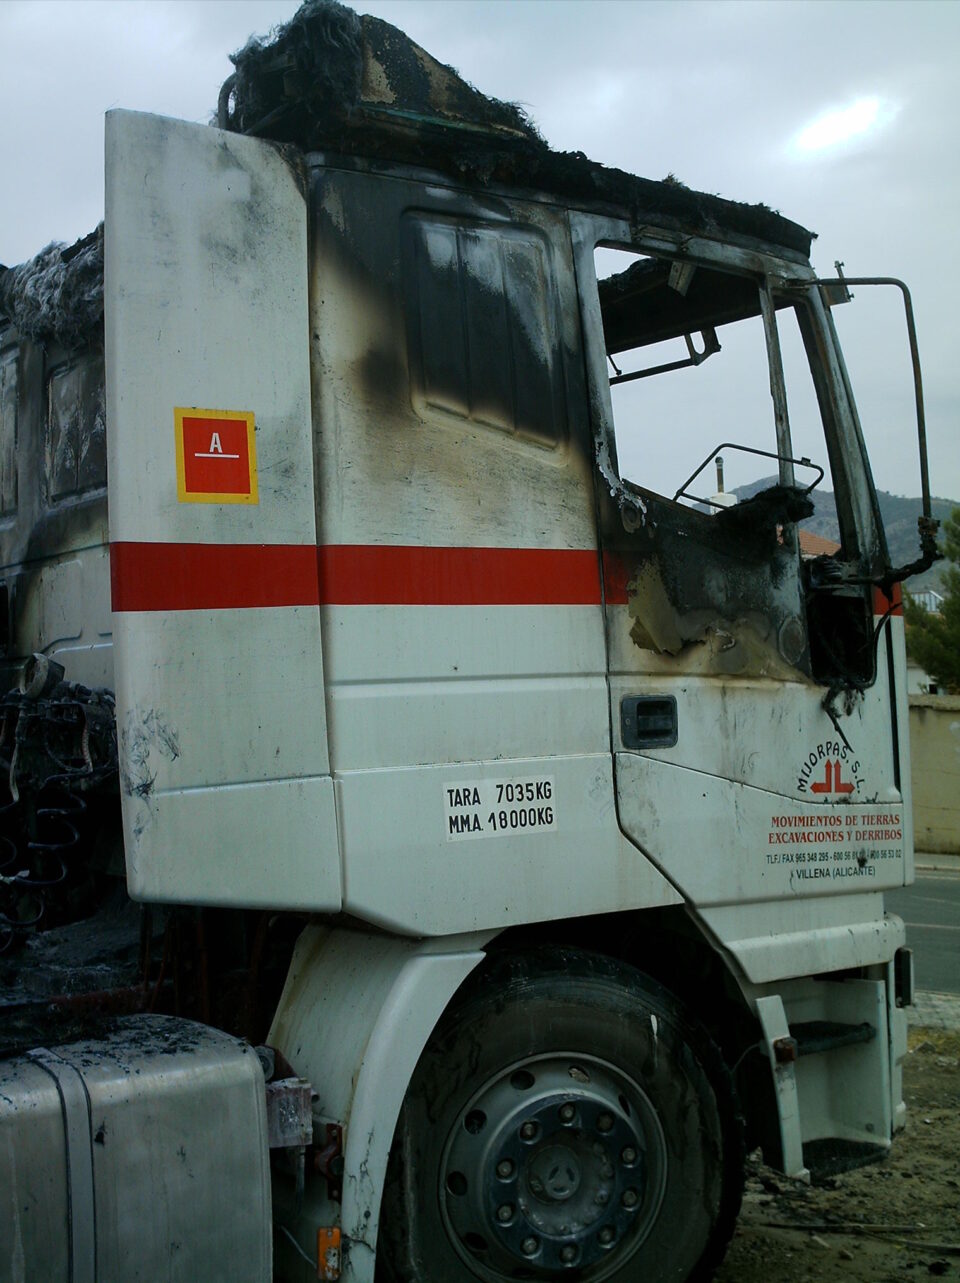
(566, 1120)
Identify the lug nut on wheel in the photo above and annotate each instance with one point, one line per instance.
(567, 1113)
(568, 1253)
(528, 1131)
(505, 1213)
(606, 1235)
(529, 1247)
(605, 1122)
(505, 1168)
(630, 1198)
(629, 1155)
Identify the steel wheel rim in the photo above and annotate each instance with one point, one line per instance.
(556, 1164)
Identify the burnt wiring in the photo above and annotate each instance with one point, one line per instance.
(57, 745)
(850, 686)
(827, 704)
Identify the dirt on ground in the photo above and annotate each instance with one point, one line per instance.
(889, 1222)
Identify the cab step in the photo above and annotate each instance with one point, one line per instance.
(815, 1036)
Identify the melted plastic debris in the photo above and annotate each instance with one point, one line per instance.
(58, 294)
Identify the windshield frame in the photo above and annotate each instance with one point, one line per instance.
(780, 284)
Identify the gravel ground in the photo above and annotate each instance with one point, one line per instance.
(892, 1221)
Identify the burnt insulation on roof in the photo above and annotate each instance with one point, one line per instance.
(58, 294)
(329, 79)
(328, 65)
(315, 60)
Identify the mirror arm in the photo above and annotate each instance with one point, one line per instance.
(837, 291)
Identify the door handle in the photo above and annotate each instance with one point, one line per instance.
(648, 721)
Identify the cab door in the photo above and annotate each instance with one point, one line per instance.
(753, 706)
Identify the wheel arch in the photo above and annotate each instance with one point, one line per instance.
(670, 946)
(356, 997)
(357, 1010)
(517, 989)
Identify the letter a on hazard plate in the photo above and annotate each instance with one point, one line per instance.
(216, 456)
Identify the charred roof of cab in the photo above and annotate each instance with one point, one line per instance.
(332, 79)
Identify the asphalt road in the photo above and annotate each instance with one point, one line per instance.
(931, 910)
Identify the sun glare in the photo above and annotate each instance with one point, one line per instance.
(839, 125)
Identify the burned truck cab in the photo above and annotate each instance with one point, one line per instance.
(465, 615)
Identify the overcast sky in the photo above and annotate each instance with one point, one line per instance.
(728, 96)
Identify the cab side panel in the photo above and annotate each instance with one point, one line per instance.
(460, 577)
(220, 678)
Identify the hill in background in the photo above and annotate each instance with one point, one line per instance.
(899, 520)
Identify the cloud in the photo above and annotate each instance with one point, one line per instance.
(838, 126)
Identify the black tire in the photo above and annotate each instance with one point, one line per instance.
(567, 1120)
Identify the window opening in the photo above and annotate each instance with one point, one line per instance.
(76, 428)
(839, 614)
(688, 366)
(823, 532)
(703, 421)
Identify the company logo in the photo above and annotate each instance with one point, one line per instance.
(830, 770)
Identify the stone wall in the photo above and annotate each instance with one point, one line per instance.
(935, 755)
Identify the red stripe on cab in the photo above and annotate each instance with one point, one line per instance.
(617, 574)
(388, 575)
(882, 604)
(164, 576)
(176, 576)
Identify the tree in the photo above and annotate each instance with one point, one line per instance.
(934, 640)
